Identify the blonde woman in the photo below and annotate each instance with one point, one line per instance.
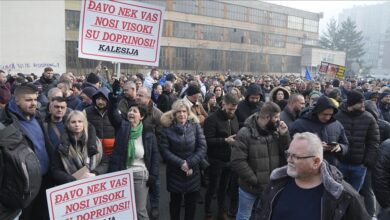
(183, 147)
(79, 155)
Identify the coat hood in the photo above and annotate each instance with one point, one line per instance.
(168, 117)
(371, 108)
(331, 178)
(273, 92)
(253, 89)
(324, 103)
(103, 91)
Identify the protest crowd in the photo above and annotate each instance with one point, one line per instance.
(261, 146)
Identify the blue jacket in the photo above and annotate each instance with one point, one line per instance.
(119, 156)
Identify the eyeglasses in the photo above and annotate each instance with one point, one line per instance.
(295, 157)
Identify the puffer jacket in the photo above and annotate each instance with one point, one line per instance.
(384, 126)
(384, 110)
(381, 175)
(363, 136)
(339, 200)
(179, 143)
(255, 154)
(331, 131)
(100, 121)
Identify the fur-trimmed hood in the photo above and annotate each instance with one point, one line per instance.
(273, 92)
(331, 178)
(168, 117)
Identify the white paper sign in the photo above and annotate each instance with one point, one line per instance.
(109, 197)
(120, 31)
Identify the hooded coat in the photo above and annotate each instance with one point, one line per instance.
(384, 126)
(331, 131)
(381, 175)
(339, 200)
(245, 108)
(179, 143)
(255, 153)
(281, 103)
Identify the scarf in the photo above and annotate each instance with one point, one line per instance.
(135, 133)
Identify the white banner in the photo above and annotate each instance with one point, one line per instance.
(109, 197)
(120, 31)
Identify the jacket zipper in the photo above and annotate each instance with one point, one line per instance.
(272, 201)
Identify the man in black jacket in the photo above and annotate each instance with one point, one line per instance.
(167, 98)
(220, 129)
(362, 132)
(250, 105)
(296, 103)
(308, 187)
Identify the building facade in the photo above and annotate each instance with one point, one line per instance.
(218, 36)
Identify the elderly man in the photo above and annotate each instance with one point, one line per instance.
(308, 188)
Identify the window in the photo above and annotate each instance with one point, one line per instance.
(212, 33)
(154, 2)
(276, 40)
(258, 16)
(184, 30)
(213, 9)
(293, 64)
(236, 12)
(275, 63)
(256, 38)
(294, 40)
(72, 20)
(278, 20)
(236, 35)
(295, 22)
(310, 25)
(187, 6)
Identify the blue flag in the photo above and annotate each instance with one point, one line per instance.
(307, 74)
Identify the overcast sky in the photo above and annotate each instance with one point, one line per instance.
(329, 8)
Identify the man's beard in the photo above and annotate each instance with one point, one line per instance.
(253, 104)
(272, 126)
(229, 115)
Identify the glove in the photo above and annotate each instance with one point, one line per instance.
(151, 181)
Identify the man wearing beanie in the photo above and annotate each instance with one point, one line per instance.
(363, 136)
(86, 98)
(93, 80)
(192, 99)
(384, 105)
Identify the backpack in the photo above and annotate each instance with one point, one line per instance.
(20, 173)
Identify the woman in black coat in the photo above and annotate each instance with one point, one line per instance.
(135, 148)
(183, 147)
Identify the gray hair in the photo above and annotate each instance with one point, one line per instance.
(51, 93)
(148, 93)
(314, 143)
(129, 84)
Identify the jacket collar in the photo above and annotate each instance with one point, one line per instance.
(331, 178)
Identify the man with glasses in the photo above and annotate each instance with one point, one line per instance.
(308, 187)
(258, 150)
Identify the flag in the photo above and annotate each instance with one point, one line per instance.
(307, 74)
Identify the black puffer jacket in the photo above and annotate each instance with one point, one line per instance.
(217, 127)
(179, 143)
(100, 121)
(256, 153)
(245, 108)
(363, 136)
(384, 110)
(339, 200)
(384, 126)
(329, 132)
(381, 175)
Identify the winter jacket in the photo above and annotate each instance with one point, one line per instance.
(339, 200)
(165, 101)
(331, 131)
(275, 90)
(381, 175)
(197, 109)
(287, 116)
(255, 154)
(217, 127)
(119, 157)
(73, 101)
(179, 143)
(246, 109)
(124, 105)
(363, 136)
(152, 119)
(64, 163)
(384, 110)
(384, 126)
